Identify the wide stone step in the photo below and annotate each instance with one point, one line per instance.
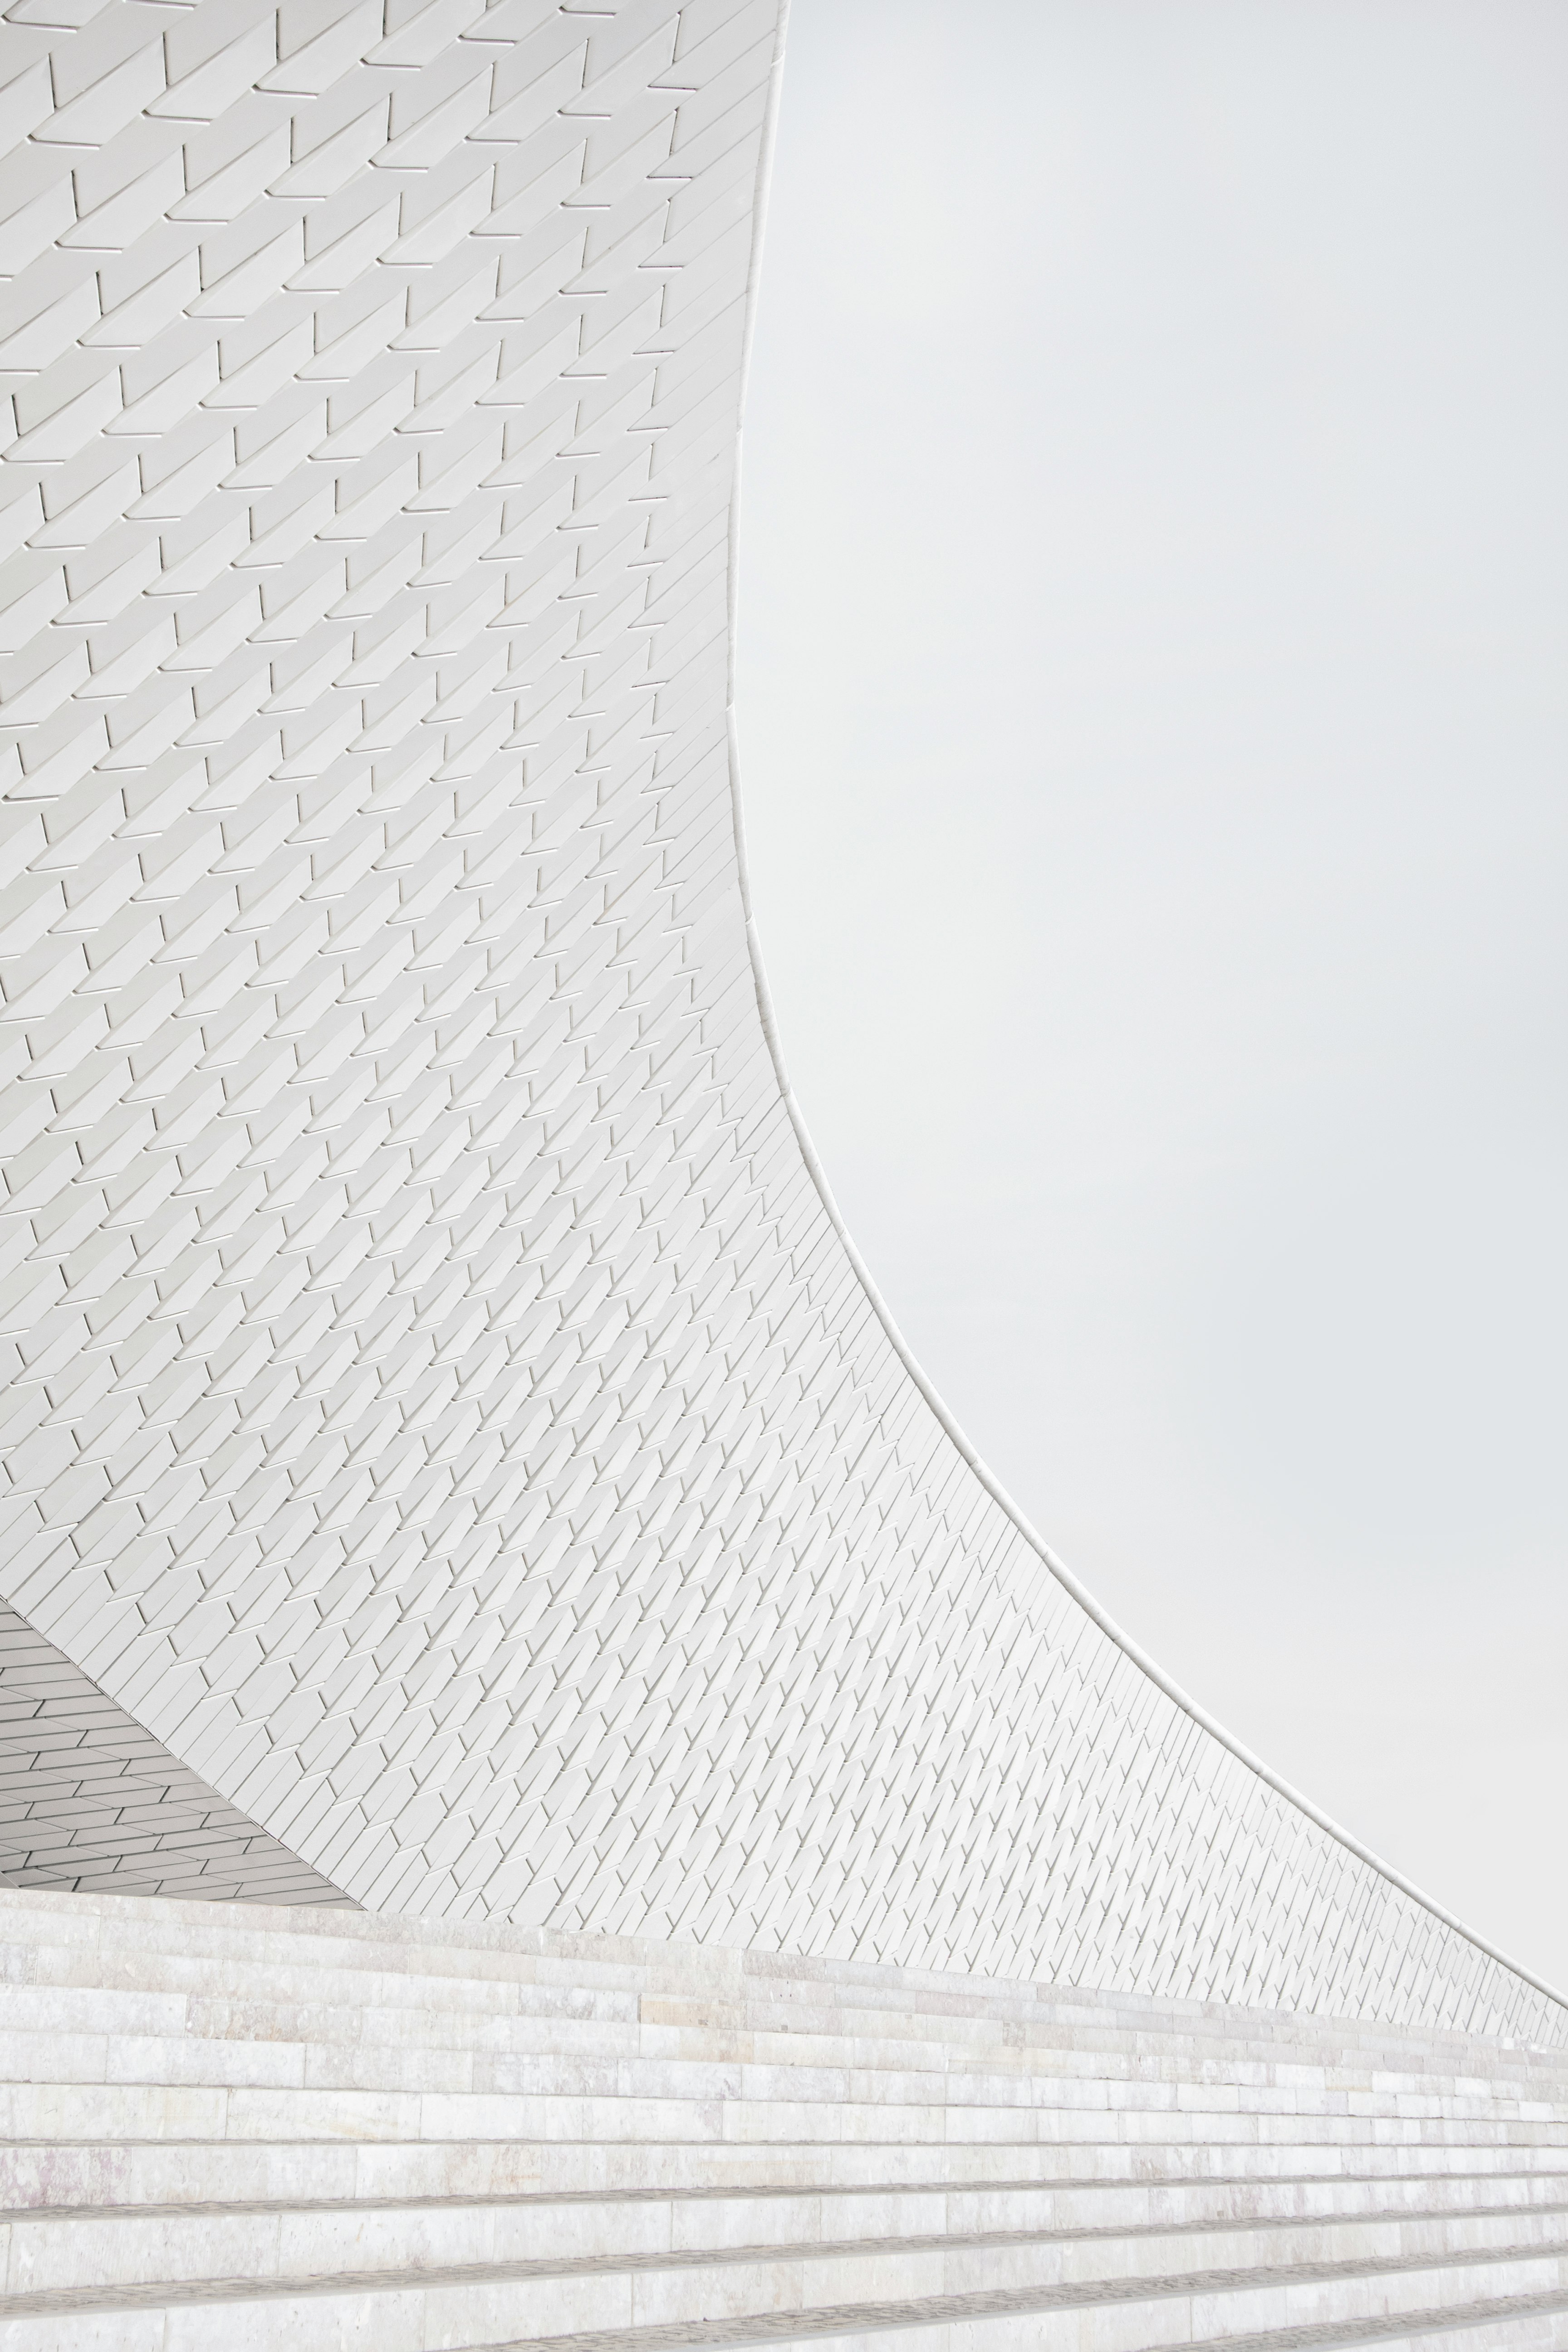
(177, 1953)
(168, 1944)
(272, 2130)
(90, 2013)
(844, 2039)
(1131, 2230)
(80, 2018)
(269, 2058)
(216, 2110)
(771, 2211)
(970, 2004)
(740, 2295)
(316, 1978)
(1241, 2042)
(113, 2173)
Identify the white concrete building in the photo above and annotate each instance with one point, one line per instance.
(454, 1463)
(683, 1865)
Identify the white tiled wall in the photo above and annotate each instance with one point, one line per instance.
(90, 1802)
(438, 1403)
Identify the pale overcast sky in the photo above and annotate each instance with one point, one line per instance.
(1153, 708)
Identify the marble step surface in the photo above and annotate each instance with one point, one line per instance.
(113, 2173)
(1000, 2295)
(78, 2111)
(700, 1983)
(192, 2038)
(563, 2095)
(1173, 2226)
(279, 2132)
(87, 2015)
(74, 2034)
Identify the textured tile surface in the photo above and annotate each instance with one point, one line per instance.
(91, 1802)
(438, 1406)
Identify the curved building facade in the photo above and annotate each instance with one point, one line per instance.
(454, 1463)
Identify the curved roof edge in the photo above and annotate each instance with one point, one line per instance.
(993, 1485)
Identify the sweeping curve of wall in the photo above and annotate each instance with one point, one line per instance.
(442, 1415)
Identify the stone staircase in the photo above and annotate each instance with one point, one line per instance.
(232, 2126)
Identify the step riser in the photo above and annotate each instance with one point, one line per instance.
(807, 2216)
(267, 1987)
(37, 2256)
(196, 2060)
(534, 2020)
(121, 2174)
(858, 2123)
(667, 1994)
(412, 2318)
(137, 2111)
(73, 2027)
(721, 1985)
(1545, 2333)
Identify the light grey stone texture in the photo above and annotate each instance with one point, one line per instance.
(1381, 2186)
(439, 1406)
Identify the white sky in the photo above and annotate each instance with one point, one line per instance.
(1153, 704)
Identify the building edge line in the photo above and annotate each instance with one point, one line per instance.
(1064, 1576)
(999, 1495)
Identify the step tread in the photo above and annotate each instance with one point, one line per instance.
(451, 2035)
(405, 2168)
(380, 2015)
(507, 2200)
(514, 2071)
(692, 1972)
(1067, 2295)
(1012, 2008)
(939, 2311)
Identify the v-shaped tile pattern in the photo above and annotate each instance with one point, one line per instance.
(440, 1405)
